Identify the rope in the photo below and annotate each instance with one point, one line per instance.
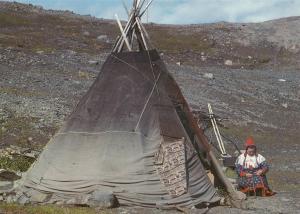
(104, 132)
(157, 91)
(150, 64)
(152, 70)
(131, 67)
(154, 86)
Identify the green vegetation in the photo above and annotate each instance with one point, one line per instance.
(178, 42)
(45, 49)
(19, 126)
(221, 191)
(46, 209)
(230, 173)
(18, 130)
(16, 163)
(19, 92)
(264, 60)
(7, 20)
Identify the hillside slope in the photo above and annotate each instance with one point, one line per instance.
(48, 60)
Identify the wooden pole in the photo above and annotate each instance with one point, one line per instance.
(123, 33)
(128, 30)
(143, 28)
(126, 8)
(236, 197)
(137, 4)
(141, 5)
(216, 130)
(128, 27)
(145, 8)
(142, 35)
(120, 41)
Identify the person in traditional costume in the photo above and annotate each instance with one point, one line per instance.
(252, 168)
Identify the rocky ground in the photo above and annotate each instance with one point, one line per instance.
(250, 73)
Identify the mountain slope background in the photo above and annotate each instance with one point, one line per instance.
(249, 72)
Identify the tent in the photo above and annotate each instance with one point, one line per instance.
(132, 134)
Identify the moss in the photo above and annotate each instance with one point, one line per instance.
(230, 173)
(16, 163)
(178, 42)
(45, 49)
(46, 209)
(221, 191)
(84, 75)
(222, 27)
(19, 92)
(7, 20)
(264, 60)
(24, 131)
(18, 128)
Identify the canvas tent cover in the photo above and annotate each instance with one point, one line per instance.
(125, 137)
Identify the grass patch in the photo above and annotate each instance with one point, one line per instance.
(7, 20)
(46, 209)
(230, 173)
(18, 128)
(6, 36)
(222, 27)
(264, 60)
(178, 42)
(23, 131)
(19, 92)
(18, 163)
(221, 191)
(45, 49)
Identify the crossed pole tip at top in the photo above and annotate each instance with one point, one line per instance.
(134, 28)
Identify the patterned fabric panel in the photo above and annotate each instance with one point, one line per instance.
(170, 164)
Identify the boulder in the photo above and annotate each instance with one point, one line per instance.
(6, 185)
(23, 200)
(102, 200)
(103, 38)
(93, 62)
(37, 196)
(6, 175)
(208, 75)
(203, 58)
(86, 33)
(10, 199)
(228, 62)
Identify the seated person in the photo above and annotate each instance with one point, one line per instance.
(251, 169)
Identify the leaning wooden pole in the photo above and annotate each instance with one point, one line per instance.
(216, 130)
(236, 197)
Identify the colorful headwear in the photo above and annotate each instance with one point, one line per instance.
(249, 142)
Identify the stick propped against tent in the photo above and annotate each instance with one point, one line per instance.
(237, 198)
(216, 131)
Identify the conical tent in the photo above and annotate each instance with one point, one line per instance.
(132, 134)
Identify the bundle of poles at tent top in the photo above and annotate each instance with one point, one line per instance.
(134, 29)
